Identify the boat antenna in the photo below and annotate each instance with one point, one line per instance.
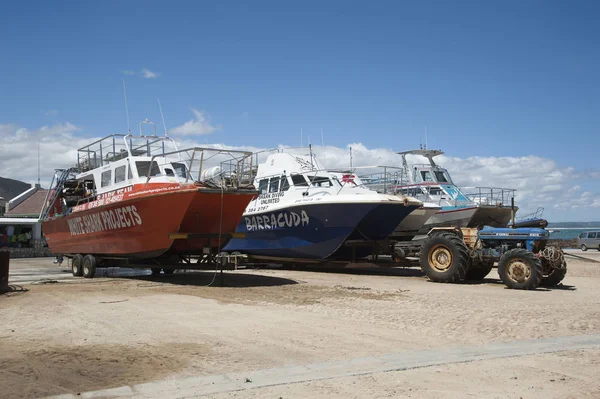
(163, 118)
(350, 157)
(38, 145)
(126, 108)
(425, 136)
(311, 154)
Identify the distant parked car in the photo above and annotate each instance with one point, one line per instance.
(591, 239)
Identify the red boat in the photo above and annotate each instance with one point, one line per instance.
(129, 199)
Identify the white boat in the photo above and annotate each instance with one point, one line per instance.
(305, 212)
(432, 184)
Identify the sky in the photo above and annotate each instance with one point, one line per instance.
(509, 90)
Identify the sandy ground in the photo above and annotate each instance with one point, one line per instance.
(80, 335)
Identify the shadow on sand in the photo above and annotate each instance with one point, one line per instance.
(13, 290)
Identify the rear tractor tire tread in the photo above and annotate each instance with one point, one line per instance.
(554, 278)
(456, 272)
(535, 266)
(479, 270)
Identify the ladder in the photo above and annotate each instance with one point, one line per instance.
(53, 194)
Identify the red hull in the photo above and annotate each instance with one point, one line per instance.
(136, 222)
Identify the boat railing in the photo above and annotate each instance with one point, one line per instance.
(212, 167)
(496, 196)
(385, 181)
(118, 146)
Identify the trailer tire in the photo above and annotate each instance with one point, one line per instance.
(77, 265)
(520, 269)
(444, 258)
(479, 270)
(155, 271)
(168, 271)
(89, 266)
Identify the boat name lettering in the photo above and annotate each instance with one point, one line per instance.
(270, 198)
(113, 219)
(276, 220)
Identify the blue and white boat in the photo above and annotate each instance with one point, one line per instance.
(303, 212)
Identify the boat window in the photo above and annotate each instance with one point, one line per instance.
(285, 184)
(435, 191)
(180, 169)
(143, 166)
(169, 172)
(426, 175)
(262, 186)
(320, 181)
(591, 235)
(299, 180)
(441, 177)
(120, 174)
(274, 185)
(105, 178)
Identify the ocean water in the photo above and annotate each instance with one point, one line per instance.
(567, 233)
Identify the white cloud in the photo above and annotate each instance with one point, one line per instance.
(148, 74)
(198, 126)
(539, 181)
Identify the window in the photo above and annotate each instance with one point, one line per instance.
(435, 191)
(143, 166)
(320, 181)
(169, 172)
(180, 169)
(441, 177)
(120, 174)
(285, 185)
(105, 178)
(426, 176)
(262, 186)
(592, 235)
(299, 180)
(582, 235)
(274, 185)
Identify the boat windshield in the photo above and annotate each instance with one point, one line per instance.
(441, 176)
(144, 166)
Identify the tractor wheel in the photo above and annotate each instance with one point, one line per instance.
(444, 258)
(554, 277)
(89, 266)
(479, 270)
(520, 269)
(583, 247)
(77, 265)
(398, 255)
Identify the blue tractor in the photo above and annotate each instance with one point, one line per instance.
(451, 255)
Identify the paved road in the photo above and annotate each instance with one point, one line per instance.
(212, 384)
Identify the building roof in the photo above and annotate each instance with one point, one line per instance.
(31, 206)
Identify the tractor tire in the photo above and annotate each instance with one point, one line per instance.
(583, 247)
(77, 265)
(520, 269)
(554, 278)
(479, 270)
(89, 266)
(444, 258)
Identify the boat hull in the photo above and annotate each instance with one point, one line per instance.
(413, 223)
(134, 228)
(315, 231)
(211, 214)
(476, 216)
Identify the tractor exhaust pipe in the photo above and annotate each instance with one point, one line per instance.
(512, 210)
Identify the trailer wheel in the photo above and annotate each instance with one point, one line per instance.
(520, 269)
(398, 255)
(554, 277)
(444, 258)
(155, 271)
(77, 265)
(89, 266)
(168, 271)
(479, 270)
